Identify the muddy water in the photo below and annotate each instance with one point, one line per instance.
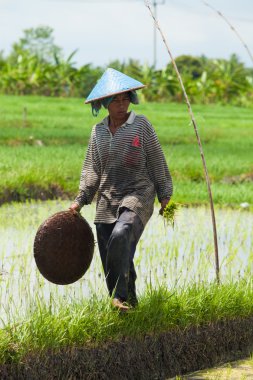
(164, 255)
(241, 370)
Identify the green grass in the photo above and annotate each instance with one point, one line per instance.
(176, 281)
(47, 149)
(93, 321)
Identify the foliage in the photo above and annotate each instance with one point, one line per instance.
(38, 42)
(169, 213)
(37, 66)
(45, 149)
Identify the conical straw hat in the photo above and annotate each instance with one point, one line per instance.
(111, 83)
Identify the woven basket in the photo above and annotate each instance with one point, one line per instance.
(63, 247)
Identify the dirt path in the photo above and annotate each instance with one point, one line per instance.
(242, 370)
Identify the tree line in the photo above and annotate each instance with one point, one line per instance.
(37, 66)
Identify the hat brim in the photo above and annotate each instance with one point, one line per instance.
(114, 94)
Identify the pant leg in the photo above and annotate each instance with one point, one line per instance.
(132, 296)
(103, 235)
(121, 247)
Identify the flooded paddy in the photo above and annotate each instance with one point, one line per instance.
(174, 257)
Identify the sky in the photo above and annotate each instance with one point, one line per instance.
(105, 30)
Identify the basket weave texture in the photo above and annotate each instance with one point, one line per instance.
(63, 247)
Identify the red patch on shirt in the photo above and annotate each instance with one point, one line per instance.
(136, 142)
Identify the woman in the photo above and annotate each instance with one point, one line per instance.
(126, 167)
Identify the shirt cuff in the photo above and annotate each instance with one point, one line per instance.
(81, 199)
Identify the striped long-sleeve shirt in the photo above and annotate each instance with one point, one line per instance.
(126, 169)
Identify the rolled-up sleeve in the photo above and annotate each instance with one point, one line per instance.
(90, 174)
(156, 164)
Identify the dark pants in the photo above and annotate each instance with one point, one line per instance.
(117, 243)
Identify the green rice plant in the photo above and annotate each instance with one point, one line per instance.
(169, 213)
(175, 281)
(92, 321)
(27, 169)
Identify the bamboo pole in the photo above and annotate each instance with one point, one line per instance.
(217, 267)
(231, 27)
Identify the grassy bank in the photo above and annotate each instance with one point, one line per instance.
(93, 322)
(43, 143)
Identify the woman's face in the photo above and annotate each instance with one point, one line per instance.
(119, 106)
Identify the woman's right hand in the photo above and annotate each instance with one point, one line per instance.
(74, 208)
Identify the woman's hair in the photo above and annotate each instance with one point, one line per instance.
(97, 104)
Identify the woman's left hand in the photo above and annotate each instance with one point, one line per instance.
(75, 208)
(164, 203)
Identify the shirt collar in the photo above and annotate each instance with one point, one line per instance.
(130, 119)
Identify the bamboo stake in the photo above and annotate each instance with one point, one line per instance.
(217, 267)
(232, 28)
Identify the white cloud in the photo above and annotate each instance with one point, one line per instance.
(108, 30)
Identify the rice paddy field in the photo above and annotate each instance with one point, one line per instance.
(175, 269)
(43, 142)
(42, 145)
(175, 257)
(241, 370)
